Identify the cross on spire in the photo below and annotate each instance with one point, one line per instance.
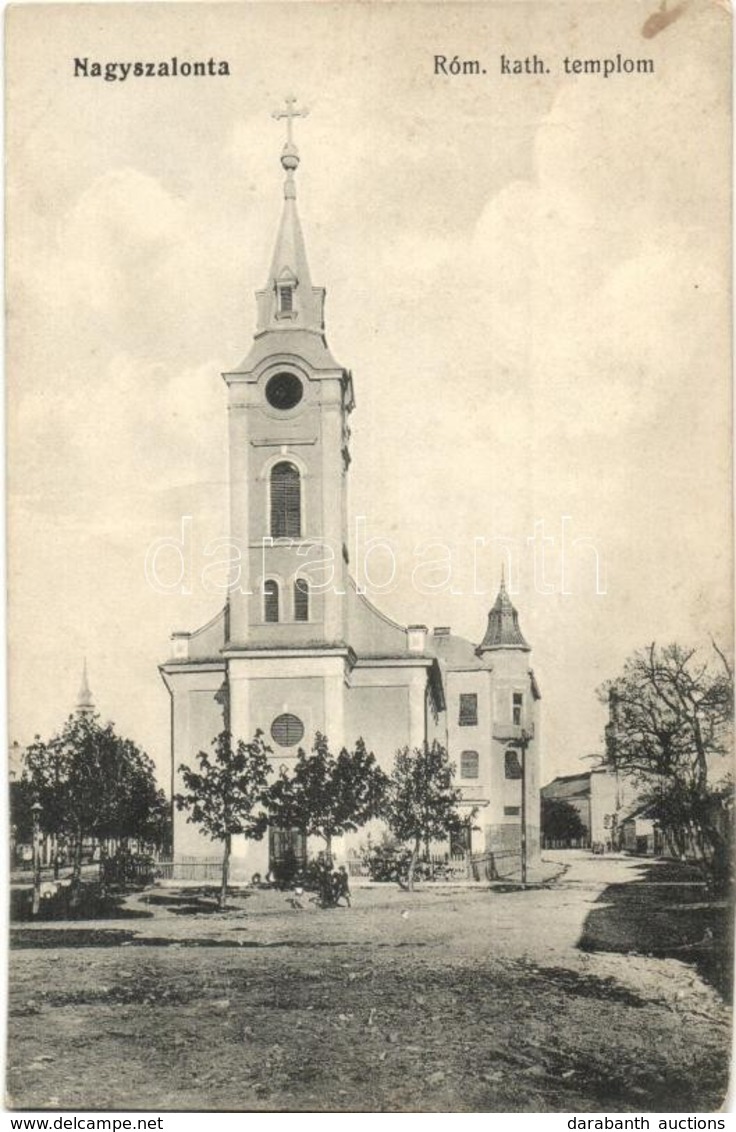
(290, 113)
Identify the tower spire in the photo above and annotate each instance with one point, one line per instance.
(289, 302)
(290, 310)
(85, 701)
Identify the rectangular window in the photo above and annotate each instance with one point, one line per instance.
(511, 811)
(271, 602)
(468, 709)
(301, 599)
(518, 708)
(286, 295)
(469, 764)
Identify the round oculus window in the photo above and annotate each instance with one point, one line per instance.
(284, 391)
(287, 730)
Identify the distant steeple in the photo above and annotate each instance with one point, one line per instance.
(289, 302)
(85, 702)
(503, 630)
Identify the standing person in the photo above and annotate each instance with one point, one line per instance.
(342, 886)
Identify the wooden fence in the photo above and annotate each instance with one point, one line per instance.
(204, 869)
(505, 864)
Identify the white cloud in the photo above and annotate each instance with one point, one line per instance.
(531, 292)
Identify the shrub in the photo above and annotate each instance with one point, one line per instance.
(390, 862)
(128, 870)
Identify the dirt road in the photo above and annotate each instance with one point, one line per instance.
(597, 994)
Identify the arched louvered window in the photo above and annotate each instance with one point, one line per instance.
(301, 599)
(271, 601)
(286, 504)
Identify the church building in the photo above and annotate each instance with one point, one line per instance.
(298, 648)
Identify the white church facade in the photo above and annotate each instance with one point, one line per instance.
(298, 649)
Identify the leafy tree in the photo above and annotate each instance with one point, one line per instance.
(146, 813)
(421, 800)
(156, 829)
(669, 730)
(561, 821)
(327, 795)
(45, 777)
(21, 817)
(224, 795)
(91, 783)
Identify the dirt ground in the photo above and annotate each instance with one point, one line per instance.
(603, 992)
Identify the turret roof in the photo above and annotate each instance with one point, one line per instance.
(503, 630)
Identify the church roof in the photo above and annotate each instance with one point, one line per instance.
(503, 630)
(370, 632)
(299, 343)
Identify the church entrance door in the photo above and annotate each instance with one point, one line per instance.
(287, 852)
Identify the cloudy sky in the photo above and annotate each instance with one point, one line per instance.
(527, 275)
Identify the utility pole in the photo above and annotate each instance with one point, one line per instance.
(36, 858)
(524, 743)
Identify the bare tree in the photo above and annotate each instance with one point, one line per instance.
(669, 730)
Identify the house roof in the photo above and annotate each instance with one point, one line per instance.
(638, 810)
(457, 654)
(568, 786)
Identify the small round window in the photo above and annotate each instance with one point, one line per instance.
(287, 730)
(284, 391)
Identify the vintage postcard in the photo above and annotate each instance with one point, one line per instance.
(370, 559)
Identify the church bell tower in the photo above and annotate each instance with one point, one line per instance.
(289, 402)
(285, 645)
